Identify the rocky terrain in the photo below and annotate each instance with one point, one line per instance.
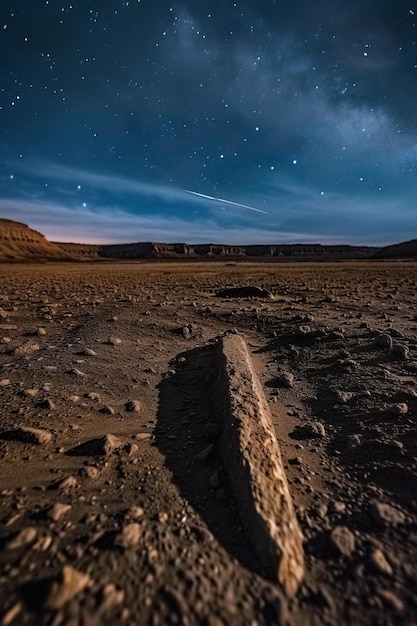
(115, 506)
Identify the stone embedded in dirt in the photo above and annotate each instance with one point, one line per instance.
(245, 292)
(109, 443)
(24, 538)
(130, 448)
(4, 382)
(31, 393)
(387, 514)
(70, 583)
(391, 600)
(113, 341)
(92, 395)
(135, 512)
(27, 434)
(383, 341)
(400, 352)
(66, 484)
(133, 406)
(41, 332)
(396, 410)
(344, 396)
(379, 562)
(186, 332)
(110, 597)
(130, 536)
(309, 431)
(107, 410)
(343, 540)
(76, 372)
(43, 544)
(163, 517)
(26, 349)
(89, 471)
(88, 352)
(11, 614)
(58, 511)
(3, 314)
(286, 380)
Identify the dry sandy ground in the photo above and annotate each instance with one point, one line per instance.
(116, 509)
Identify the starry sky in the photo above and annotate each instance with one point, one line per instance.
(247, 121)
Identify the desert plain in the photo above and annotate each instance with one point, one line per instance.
(115, 506)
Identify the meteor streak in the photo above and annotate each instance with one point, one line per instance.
(244, 206)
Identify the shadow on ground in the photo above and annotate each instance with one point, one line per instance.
(186, 435)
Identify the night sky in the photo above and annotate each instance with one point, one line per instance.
(299, 117)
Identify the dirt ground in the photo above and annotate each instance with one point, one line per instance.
(114, 505)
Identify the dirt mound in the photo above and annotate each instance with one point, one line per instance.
(19, 242)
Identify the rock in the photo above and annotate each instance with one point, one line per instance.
(391, 600)
(353, 441)
(130, 536)
(5, 382)
(58, 511)
(400, 352)
(89, 471)
(343, 540)
(133, 406)
(186, 332)
(3, 314)
(32, 393)
(344, 396)
(163, 517)
(130, 448)
(24, 538)
(309, 431)
(27, 434)
(396, 410)
(41, 332)
(11, 614)
(76, 372)
(88, 352)
(114, 341)
(107, 410)
(286, 380)
(67, 484)
(135, 513)
(70, 584)
(26, 349)
(46, 403)
(383, 341)
(379, 562)
(43, 544)
(101, 446)
(92, 395)
(387, 514)
(110, 597)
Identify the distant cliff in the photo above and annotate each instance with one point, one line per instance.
(19, 242)
(405, 250)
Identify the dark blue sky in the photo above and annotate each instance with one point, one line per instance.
(112, 111)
